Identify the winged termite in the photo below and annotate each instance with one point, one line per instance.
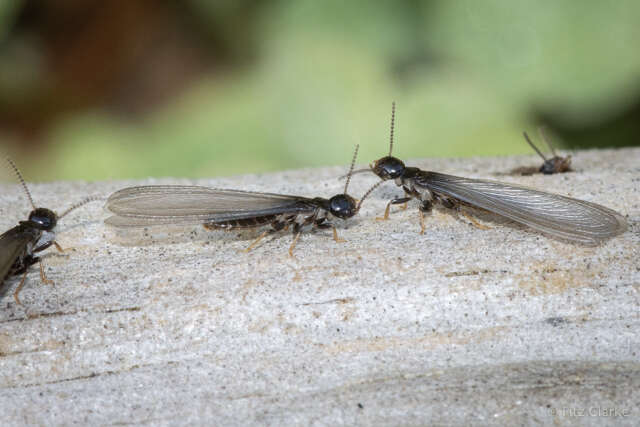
(555, 164)
(563, 217)
(19, 245)
(228, 209)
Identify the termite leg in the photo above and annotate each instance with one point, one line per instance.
(335, 236)
(42, 275)
(474, 222)
(451, 204)
(386, 213)
(321, 223)
(43, 247)
(58, 247)
(409, 194)
(297, 230)
(397, 201)
(255, 242)
(425, 206)
(19, 288)
(293, 244)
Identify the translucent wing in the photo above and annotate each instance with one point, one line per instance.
(567, 218)
(178, 204)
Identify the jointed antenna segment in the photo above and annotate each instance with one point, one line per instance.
(393, 117)
(24, 184)
(80, 203)
(376, 185)
(353, 162)
(533, 146)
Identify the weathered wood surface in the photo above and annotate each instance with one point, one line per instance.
(458, 326)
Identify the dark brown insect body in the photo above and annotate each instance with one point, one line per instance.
(302, 212)
(19, 245)
(560, 216)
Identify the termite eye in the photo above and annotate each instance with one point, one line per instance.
(43, 218)
(342, 206)
(389, 168)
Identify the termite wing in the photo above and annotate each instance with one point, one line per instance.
(228, 209)
(19, 245)
(555, 164)
(563, 217)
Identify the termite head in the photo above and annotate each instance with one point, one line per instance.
(343, 206)
(388, 168)
(43, 219)
(556, 164)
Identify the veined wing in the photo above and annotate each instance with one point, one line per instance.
(179, 204)
(561, 216)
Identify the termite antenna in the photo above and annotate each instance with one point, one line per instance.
(544, 138)
(355, 172)
(353, 162)
(393, 117)
(80, 203)
(376, 185)
(533, 146)
(24, 184)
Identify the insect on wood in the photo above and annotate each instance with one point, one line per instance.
(559, 216)
(222, 209)
(552, 165)
(19, 245)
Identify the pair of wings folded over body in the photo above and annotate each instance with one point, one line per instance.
(564, 217)
(179, 204)
(226, 209)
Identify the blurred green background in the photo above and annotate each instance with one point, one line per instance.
(134, 88)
